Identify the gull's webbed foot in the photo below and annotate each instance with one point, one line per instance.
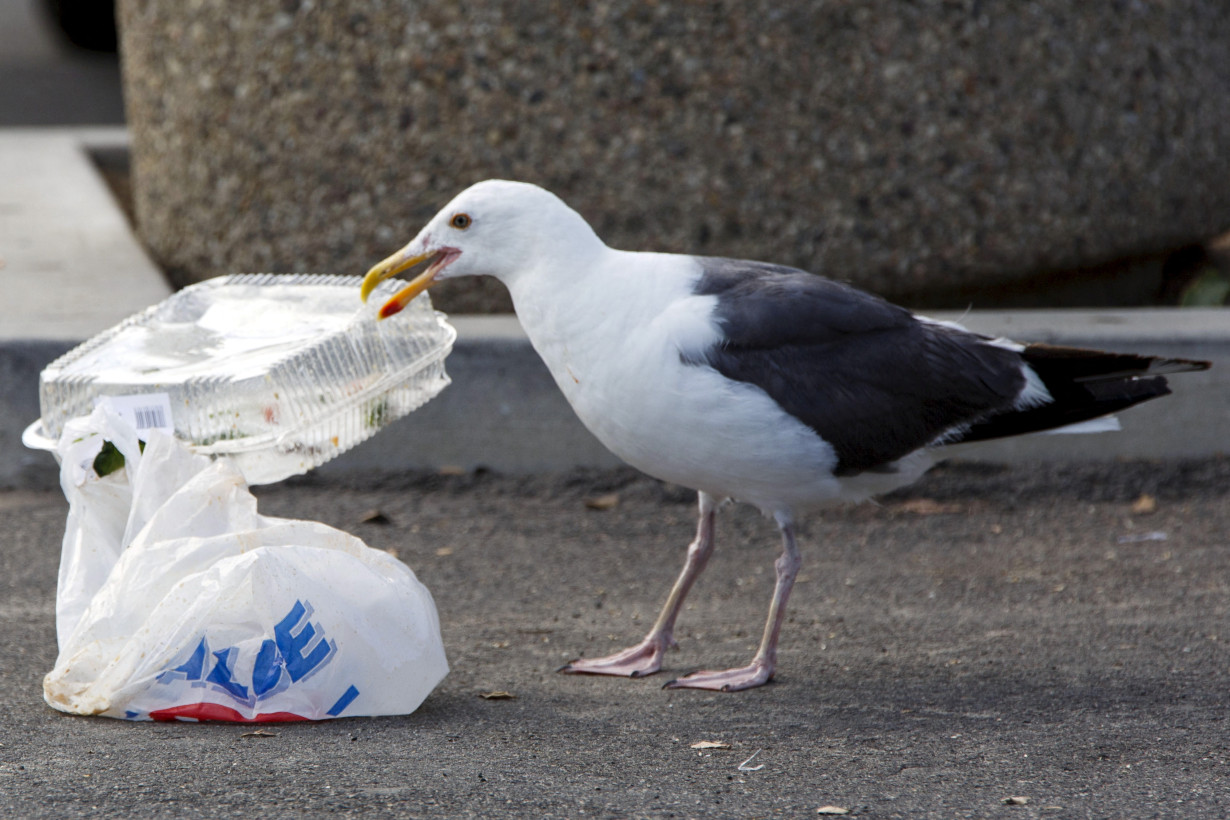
(757, 673)
(634, 662)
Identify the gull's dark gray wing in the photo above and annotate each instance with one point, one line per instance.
(868, 377)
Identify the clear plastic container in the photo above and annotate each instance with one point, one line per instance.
(280, 372)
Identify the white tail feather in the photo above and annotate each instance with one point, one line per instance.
(1105, 424)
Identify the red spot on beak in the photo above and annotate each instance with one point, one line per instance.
(389, 309)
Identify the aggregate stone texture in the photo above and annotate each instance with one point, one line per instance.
(902, 147)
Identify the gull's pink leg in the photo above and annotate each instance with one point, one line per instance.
(646, 657)
(760, 670)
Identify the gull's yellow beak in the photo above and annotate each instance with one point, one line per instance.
(392, 266)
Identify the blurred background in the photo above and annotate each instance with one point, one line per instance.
(58, 63)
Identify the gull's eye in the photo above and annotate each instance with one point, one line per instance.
(460, 221)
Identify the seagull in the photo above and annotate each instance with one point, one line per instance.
(750, 381)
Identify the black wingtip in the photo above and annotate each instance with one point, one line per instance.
(1084, 384)
(1080, 364)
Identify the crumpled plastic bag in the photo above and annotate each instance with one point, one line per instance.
(178, 600)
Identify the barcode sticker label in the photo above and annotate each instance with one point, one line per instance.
(145, 411)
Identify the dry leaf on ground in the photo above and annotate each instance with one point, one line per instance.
(1145, 505)
(710, 744)
(374, 516)
(603, 502)
(929, 506)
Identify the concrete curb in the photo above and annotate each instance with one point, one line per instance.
(73, 267)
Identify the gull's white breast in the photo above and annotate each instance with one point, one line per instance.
(615, 337)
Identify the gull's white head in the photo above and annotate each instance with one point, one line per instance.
(495, 228)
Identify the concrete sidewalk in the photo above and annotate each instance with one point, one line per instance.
(71, 266)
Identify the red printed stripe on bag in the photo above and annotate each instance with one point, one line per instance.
(213, 711)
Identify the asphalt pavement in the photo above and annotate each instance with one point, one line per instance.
(1039, 635)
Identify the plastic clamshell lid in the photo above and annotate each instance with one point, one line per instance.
(282, 372)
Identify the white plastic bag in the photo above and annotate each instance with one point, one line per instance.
(178, 600)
